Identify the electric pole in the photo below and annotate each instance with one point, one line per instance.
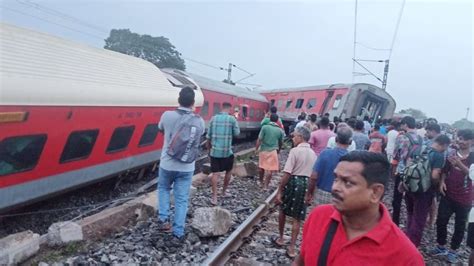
(229, 73)
(467, 113)
(385, 74)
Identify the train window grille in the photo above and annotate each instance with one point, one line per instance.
(311, 103)
(217, 108)
(272, 102)
(205, 109)
(79, 145)
(299, 103)
(337, 101)
(20, 153)
(120, 139)
(149, 135)
(288, 103)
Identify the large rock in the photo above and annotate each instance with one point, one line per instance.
(64, 232)
(251, 168)
(245, 169)
(150, 200)
(239, 170)
(201, 179)
(18, 247)
(213, 221)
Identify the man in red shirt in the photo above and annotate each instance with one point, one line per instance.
(364, 233)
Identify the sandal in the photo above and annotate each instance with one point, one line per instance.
(213, 203)
(275, 242)
(291, 256)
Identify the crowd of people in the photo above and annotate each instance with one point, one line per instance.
(343, 168)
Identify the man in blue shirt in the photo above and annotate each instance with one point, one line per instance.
(174, 174)
(323, 169)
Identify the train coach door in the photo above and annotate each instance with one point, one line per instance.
(244, 108)
(326, 102)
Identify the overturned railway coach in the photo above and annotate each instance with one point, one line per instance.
(71, 114)
(341, 100)
(249, 107)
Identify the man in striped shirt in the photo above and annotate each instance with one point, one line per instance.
(222, 128)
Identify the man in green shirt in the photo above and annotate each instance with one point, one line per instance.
(269, 144)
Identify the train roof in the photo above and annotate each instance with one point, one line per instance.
(310, 88)
(219, 86)
(41, 69)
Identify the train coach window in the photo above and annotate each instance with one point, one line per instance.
(299, 103)
(120, 139)
(337, 101)
(311, 103)
(217, 108)
(272, 102)
(280, 103)
(149, 135)
(288, 103)
(19, 154)
(251, 113)
(205, 109)
(244, 111)
(79, 145)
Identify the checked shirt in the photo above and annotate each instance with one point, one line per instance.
(222, 128)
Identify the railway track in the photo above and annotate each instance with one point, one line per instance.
(251, 243)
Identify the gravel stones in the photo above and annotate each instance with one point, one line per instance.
(214, 221)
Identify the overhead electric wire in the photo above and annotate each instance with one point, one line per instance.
(396, 29)
(372, 48)
(49, 21)
(202, 63)
(62, 15)
(355, 40)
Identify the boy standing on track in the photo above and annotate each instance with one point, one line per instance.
(293, 187)
(222, 128)
(269, 141)
(173, 171)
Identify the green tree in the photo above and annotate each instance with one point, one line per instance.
(463, 124)
(157, 50)
(415, 113)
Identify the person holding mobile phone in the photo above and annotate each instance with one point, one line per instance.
(456, 191)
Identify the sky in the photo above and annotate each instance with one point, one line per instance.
(292, 43)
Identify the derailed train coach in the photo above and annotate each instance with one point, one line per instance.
(71, 114)
(339, 100)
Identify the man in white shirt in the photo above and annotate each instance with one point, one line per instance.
(391, 138)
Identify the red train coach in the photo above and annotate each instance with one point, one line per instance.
(341, 100)
(249, 107)
(72, 114)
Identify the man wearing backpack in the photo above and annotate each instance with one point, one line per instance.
(456, 190)
(182, 130)
(222, 128)
(405, 146)
(420, 191)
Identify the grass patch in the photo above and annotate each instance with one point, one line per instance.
(56, 254)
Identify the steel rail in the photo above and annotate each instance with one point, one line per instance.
(223, 253)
